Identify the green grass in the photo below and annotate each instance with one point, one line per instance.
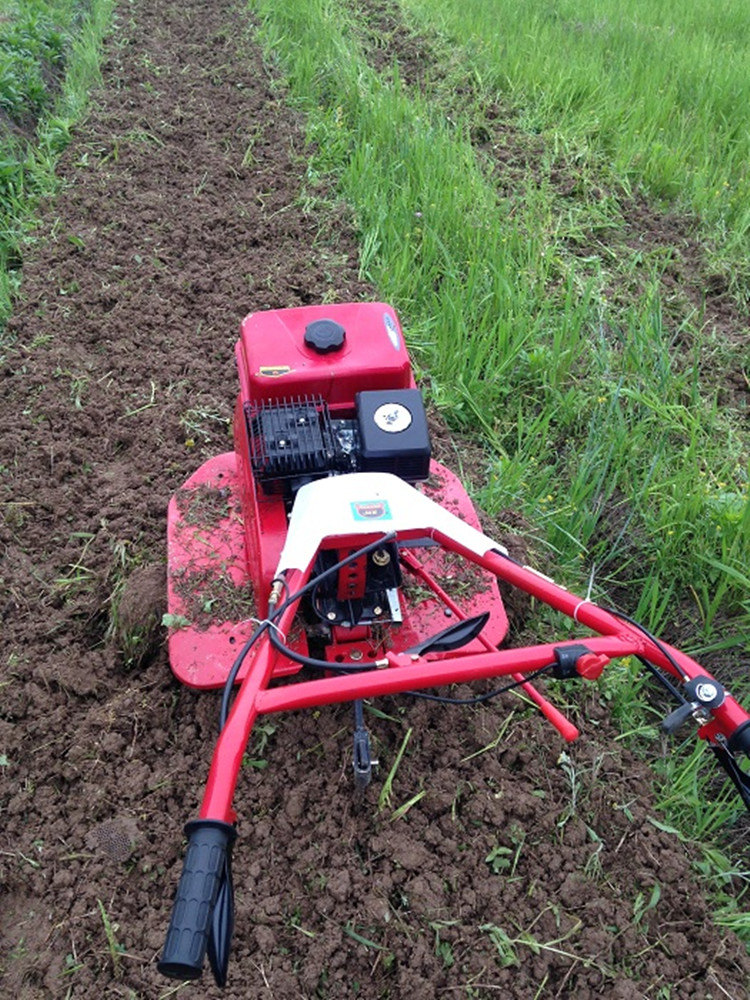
(658, 92)
(32, 51)
(49, 59)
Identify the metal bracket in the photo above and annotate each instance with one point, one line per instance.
(362, 760)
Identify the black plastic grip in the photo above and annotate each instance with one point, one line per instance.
(739, 741)
(206, 865)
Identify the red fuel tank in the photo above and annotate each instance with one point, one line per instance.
(328, 351)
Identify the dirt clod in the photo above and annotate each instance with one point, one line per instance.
(137, 612)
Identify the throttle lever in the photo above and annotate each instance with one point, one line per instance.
(701, 693)
(679, 716)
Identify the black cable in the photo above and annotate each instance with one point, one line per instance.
(644, 631)
(378, 543)
(350, 668)
(664, 681)
(226, 694)
(481, 697)
(282, 583)
(652, 638)
(264, 625)
(321, 614)
(311, 661)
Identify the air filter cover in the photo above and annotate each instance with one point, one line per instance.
(393, 433)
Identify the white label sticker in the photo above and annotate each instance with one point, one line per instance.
(392, 417)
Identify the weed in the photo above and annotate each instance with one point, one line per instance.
(404, 809)
(504, 860)
(32, 862)
(643, 905)
(255, 136)
(294, 922)
(144, 406)
(386, 792)
(205, 425)
(72, 964)
(497, 741)
(175, 621)
(262, 733)
(508, 947)
(367, 942)
(79, 576)
(566, 763)
(110, 930)
(443, 948)
(78, 383)
(499, 859)
(593, 866)
(135, 603)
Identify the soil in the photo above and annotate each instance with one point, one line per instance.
(527, 869)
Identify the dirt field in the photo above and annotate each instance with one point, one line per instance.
(520, 874)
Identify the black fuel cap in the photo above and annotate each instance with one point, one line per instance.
(325, 335)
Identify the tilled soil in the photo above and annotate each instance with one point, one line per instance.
(526, 870)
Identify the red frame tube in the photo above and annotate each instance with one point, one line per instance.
(564, 726)
(230, 747)
(398, 672)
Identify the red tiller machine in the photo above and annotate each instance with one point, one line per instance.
(331, 545)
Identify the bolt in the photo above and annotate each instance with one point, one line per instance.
(706, 692)
(331, 616)
(377, 610)
(356, 654)
(381, 557)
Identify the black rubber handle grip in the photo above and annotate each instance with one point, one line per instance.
(190, 926)
(739, 741)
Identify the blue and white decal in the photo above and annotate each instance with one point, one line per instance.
(392, 331)
(370, 510)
